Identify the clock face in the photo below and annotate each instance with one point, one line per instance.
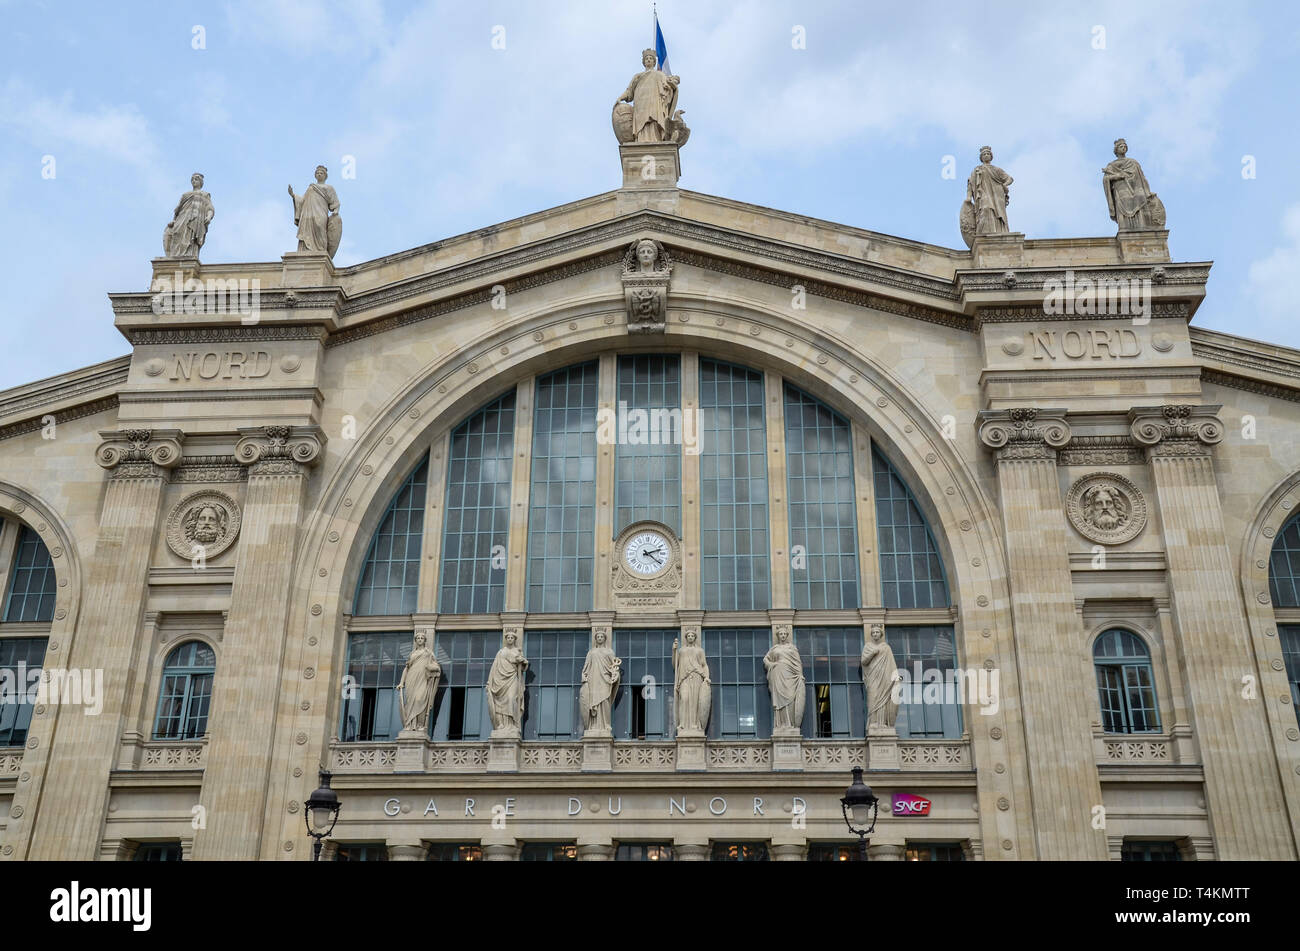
(647, 553)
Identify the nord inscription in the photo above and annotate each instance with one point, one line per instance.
(219, 365)
(1100, 344)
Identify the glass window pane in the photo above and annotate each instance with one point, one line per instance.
(389, 577)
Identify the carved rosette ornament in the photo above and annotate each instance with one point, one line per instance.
(1017, 434)
(278, 450)
(1106, 508)
(1176, 430)
(203, 524)
(139, 453)
(647, 269)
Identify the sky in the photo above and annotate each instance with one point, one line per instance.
(459, 115)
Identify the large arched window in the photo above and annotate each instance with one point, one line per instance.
(31, 581)
(541, 481)
(390, 579)
(29, 594)
(1125, 684)
(186, 692)
(1284, 586)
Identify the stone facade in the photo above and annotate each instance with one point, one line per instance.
(1032, 434)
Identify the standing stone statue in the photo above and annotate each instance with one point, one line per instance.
(785, 682)
(1131, 202)
(183, 237)
(879, 674)
(419, 685)
(692, 686)
(316, 213)
(653, 115)
(506, 688)
(987, 194)
(600, 676)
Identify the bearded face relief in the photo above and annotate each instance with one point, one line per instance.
(204, 523)
(1107, 508)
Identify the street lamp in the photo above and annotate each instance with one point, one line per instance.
(860, 805)
(321, 812)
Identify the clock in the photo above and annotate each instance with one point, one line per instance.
(647, 553)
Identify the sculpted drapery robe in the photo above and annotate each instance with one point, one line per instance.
(600, 675)
(653, 97)
(417, 687)
(506, 688)
(879, 673)
(1127, 194)
(311, 211)
(986, 189)
(189, 227)
(785, 682)
(693, 689)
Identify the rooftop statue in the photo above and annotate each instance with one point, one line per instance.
(183, 237)
(653, 115)
(985, 209)
(1131, 202)
(316, 213)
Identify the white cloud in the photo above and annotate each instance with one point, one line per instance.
(116, 132)
(1270, 281)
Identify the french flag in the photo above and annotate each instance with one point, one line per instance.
(661, 48)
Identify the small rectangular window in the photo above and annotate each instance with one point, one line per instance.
(20, 673)
(549, 852)
(361, 852)
(643, 852)
(455, 852)
(1135, 850)
(157, 852)
(739, 852)
(934, 852)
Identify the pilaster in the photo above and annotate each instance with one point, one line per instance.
(243, 718)
(1064, 784)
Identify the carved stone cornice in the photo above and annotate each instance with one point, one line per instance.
(139, 453)
(278, 450)
(1024, 433)
(1176, 430)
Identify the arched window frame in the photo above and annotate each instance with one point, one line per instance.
(191, 684)
(406, 510)
(1123, 717)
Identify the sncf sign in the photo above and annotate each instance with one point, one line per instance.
(905, 804)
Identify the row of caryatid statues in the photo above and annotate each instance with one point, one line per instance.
(692, 685)
(1132, 204)
(315, 212)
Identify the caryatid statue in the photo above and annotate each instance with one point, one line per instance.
(692, 686)
(987, 194)
(879, 674)
(1131, 202)
(600, 676)
(316, 213)
(506, 688)
(183, 237)
(785, 682)
(653, 115)
(419, 685)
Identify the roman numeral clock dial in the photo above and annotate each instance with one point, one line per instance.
(647, 553)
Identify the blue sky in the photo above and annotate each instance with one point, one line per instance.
(450, 134)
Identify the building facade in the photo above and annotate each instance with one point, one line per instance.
(672, 425)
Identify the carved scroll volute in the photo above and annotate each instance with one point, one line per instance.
(140, 447)
(1152, 426)
(279, 447)
(1024, 433)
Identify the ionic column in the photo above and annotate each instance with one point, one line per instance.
(70, 821)
(247, 685)
(1243, 794)
(1064, 785)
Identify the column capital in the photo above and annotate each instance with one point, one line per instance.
(278, 450)
(1024, 432)
(139, 453)
(1176, 429)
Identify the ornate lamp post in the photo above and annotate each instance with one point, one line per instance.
(860, 805)
(322, 811)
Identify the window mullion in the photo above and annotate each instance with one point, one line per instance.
(869, 592)
(8, 552)
(690, 392)
(606, 386)
(778, 505)
(435, 490)
(520, 486)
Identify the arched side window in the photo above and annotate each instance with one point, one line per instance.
(1284, 587)
(911, 571)
(390, 579)
(1125, 684)
(186, 692)
(31, 581)
(823, 515)
(476, 527)
(562, 503)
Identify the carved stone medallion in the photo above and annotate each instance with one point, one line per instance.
(204, 523)
(1107, 508)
